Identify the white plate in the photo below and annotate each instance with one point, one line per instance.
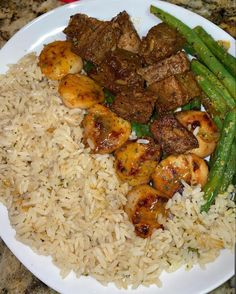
(47, 28)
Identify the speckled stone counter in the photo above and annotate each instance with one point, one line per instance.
(14, 277)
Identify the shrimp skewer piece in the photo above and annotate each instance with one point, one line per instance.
(56, 60)
(104, 131)
(172, 170)
(79, 91)
(135, 161)
(143, 206)
(207, 134)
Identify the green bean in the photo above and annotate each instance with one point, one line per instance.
(210, 108)
(234, 183)
(141, 130)
(209, 89)
(200, 69)
(221, 158)
(189, 50)
(228, 60)
(194, 104)
(230, 170)
(217, 121)
(201, 49)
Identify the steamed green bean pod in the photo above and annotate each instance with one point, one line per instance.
(221, 158)
(227, 59)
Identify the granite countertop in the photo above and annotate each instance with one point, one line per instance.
(14, 277)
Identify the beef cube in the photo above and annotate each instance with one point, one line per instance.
(173, 137)
(129, 39)
(161, 42)
(134, 106)
(92, 38)
(80, 26)
(175, 91)
(189, 84)
(176, 64)
(118, 72)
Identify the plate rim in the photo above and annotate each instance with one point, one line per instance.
(28, 26)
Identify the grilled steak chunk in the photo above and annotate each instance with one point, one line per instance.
(134, 106)
(161, 42)
(129, 39)
(92, 38)
(81, 26)
(176, 64)
(172, 135)
(175, 91)
(118, 72)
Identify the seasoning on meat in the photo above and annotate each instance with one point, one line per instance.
(129, 39)
(161, 42)
(92, 38)
(176, 64)
(172, 136)
(135, 106)
(118, 72)
(175, 91)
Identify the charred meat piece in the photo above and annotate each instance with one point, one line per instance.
(118, 72)
(92, 38)
(175, 91)
(161, 42)
(173, 137)
(176, 64)
(134, 106)
(129, 39)
(81, 26)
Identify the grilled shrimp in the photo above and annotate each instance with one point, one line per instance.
(79, 91)
(143, 206)
(135, 161)
(207, 134)
(104, 131)
(56, 60)
(170, 171)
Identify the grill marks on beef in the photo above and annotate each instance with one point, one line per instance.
(176, 64)
(93, 38)
(173, 137)
(135, 105)
(161, 42)
(129, 39)
(120, 56)
(118, 72)
(175, 91)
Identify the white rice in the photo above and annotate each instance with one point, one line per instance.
(67, 203)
